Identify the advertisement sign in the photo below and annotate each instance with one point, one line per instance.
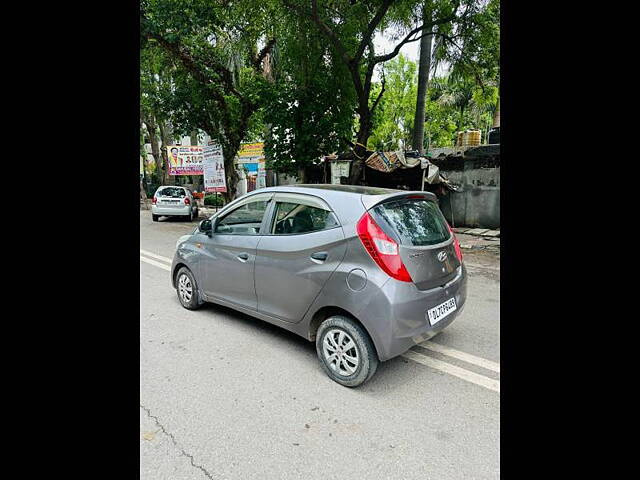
(262, 174)
(251, 152)
(213, 166)
(339, 169)
(185, 160)
(251, 157)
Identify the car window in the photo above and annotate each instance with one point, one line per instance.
(292, 218)
(417, 222)
(174, 192)
(244, 220)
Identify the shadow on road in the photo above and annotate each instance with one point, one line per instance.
(390, 374)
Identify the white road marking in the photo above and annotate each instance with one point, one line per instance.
(155, 255)
(155, 264)
(465, 357)
(454, 370)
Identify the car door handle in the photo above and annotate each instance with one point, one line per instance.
(322, 256)
(243, 257)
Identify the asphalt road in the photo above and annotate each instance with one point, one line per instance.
(226, 396)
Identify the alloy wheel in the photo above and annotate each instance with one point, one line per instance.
(340, 352)
(185, 288)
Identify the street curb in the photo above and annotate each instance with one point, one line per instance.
(478, 232)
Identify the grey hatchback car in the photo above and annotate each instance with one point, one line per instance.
(364, 272)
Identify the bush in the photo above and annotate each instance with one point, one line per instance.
(151, 189)
(213, 200)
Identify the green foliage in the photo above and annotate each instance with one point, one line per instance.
(198, 71)
(206, 51)
(453, 104)
(310, 111)
(213, 200)
(394, 116)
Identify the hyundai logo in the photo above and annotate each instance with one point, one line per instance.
(442, 256)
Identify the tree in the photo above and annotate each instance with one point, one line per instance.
(423, 81)
(392, 122)
(474, 56)
(150, 110)
(217, 82)
(311, 108)
(342, 21)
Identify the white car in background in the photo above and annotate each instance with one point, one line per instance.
(174, 201)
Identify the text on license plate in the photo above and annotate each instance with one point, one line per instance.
(436, 314)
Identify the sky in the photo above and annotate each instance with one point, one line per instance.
(383, 44)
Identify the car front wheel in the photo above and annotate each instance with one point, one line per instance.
(187, 290)
(346, 352)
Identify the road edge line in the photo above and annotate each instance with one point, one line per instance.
(467, 375)
(465, 357)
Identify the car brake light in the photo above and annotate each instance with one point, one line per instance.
(382, 249)
(456, 244)
(187, 201)
(154, 200)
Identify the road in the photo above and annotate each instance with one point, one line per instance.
(226, 396)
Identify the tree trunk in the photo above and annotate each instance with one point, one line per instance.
(166, 134)
(360, 150)
(423, 84)
(302, 177)
(496, 115)
(196, 178)
(461, 118)
(153, 140)
(229, 154)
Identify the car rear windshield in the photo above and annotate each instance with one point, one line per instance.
(175, 192)
(415, 221)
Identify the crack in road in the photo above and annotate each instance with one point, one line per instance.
(175, 443)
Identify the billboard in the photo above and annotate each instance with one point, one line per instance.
(213, 166)
(251, 157)
(185, 160)
(251, 152)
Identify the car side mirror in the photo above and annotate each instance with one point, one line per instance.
(206, 226)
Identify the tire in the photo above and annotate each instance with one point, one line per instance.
(346, 372)
(193, 301)
(155, 217)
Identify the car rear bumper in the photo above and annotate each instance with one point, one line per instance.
(169, 211)
(399, 314)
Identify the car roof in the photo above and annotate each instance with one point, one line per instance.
(357, 189)
(347, 201)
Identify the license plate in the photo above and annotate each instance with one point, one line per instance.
(436, 314)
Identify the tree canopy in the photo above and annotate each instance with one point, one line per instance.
(307, 77)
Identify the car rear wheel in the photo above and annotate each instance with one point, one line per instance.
(187, 290)
(155, 217)
(346, 352)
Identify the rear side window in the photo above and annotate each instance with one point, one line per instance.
(174, 192)
(415, 221)
(291, 218)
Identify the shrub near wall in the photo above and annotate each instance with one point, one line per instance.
(213, 201)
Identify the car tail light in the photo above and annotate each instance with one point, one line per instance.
(382, 248)
(154, 201)
(187, 201)
(456, 244)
